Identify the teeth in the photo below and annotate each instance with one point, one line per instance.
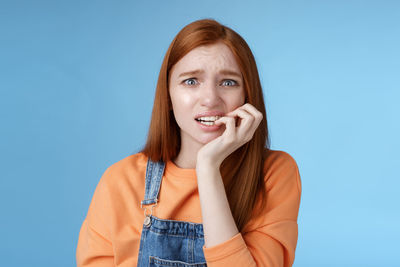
(209, 123)
(209, 119)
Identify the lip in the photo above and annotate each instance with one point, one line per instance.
(209, 114)
(208, 128)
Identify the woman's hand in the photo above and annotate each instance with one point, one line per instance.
(214, 152)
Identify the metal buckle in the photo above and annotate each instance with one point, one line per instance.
(147, 220)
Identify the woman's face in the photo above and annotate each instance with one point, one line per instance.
(204, 85)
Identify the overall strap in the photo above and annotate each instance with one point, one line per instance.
(154, 173)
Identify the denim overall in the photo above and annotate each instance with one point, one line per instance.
(167, 242)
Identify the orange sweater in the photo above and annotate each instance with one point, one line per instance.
(110, 234)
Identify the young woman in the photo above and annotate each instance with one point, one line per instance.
(206, 190)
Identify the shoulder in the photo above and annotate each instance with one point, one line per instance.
(283, 193)
(121, 184)
(278, 158)
(129, 163)
(280, 167)
(120, 180)
(130, 169)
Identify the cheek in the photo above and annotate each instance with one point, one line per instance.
(237, 101)
(242, 99)
(182, 104)
(185, 100)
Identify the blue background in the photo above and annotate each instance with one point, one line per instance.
(77, 82)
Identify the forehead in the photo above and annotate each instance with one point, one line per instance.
(212, 57)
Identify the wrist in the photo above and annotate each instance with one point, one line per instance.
(207, 164)
(207, 174)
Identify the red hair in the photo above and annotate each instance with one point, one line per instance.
(245, 165)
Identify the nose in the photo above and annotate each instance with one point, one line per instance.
(209, 95)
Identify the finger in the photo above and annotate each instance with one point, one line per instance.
(249, 108)
(246, 122)
(252, 110)
(257, 120)
(256, 114)
(229, 126)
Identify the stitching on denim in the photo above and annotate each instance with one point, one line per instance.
(191, 241)
(164, 262)
(149, 170)
(166, 220)
(169, 234)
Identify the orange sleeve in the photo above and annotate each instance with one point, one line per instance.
(272, 239)
(94, 244)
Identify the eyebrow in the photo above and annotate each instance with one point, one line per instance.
(225, 72)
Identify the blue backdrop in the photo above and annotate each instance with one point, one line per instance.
(77, 81)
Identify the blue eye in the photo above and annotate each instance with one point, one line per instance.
(190, 81)
(229, 83)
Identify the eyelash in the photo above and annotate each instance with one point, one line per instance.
(235, 83)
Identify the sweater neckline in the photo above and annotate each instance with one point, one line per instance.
(181, 173)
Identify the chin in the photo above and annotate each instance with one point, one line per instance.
(207, 139)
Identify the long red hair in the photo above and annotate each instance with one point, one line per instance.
(242, 171)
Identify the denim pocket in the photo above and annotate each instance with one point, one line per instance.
(157, 262)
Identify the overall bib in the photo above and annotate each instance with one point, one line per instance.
(167, 242)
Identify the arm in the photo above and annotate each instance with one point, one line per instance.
(94, 246)
(271, 243)
(269, 240)
(215, 208)
(213, 200)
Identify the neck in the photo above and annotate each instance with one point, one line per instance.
(187, 156)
